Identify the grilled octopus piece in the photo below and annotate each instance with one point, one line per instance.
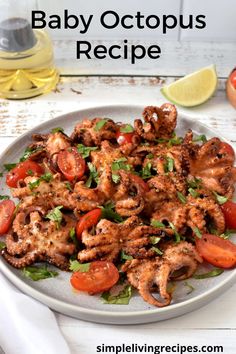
(51, 143)
(145, 274)
(33, 239)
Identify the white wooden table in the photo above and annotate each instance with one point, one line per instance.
(213, 324)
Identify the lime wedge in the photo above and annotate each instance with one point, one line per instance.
(193, 89)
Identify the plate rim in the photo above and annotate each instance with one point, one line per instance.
(67, 308)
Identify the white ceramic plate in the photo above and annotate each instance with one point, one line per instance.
(57, 292)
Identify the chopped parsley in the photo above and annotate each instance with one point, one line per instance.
(200, 138)
(169, 165)
(124, 256)
(150, 156)
(47, 177)
(57, 130)
(193, 193)
(93, 175)
(72, 235)
(194, 183)
(38, 273)
(190, 287)
(75, 266)
(146, 171)
(115, 178)
(56, 215)
(122, 298)
(28, 152)
(227, 234)
(157, 223)
(85, 150)
(154, 239)
(157, 250)
(120, 164)
(2, 245)
(4, 197)
(197, 232)
(30, 173)
(177, 235)
(100, 124)
(109, 213)
(9, 166)
(126, 128)
(220, 198)
(213, 273)
(181, 197)
(68, 186)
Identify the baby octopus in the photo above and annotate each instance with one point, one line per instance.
(137, 196)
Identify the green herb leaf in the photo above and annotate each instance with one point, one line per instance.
(68, 186)
(194, 183)
(99, 125)
(73, 237)
(213, 273)
(109, 213)
(150, 156)
(220, 198)
(122, 298)
(120, 164)
(4, 197)
(125, 257)
(56, 215)
(2, 245)
(157, 250)
(181, 197)
(28, 152)
(175, 140)
(226, 235)
(57, 130)
(146, 171)
(115, 178)
(200, 138)
(38, 273)
(197, 232)
(169, 166)
(154, 240)
(93, 176)
(85, 150)
(190, 287)
(9, 166)
(47, 177)
(75, 266)
(127, 129)
(157, 223)
(193, 193)
(177, 235)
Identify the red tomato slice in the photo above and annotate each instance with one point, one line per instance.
(229, 210)
(217, 251)
(138, 180)
(7, 208)
(71, 164)
(102, 275)
(227, 149)
(124, 138)
(21, 171)
(233, 78)
(88, 220)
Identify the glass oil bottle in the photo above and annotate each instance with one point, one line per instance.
(26, 55)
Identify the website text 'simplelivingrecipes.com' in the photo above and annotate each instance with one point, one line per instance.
(159, 349)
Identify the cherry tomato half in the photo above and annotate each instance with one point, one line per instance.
(88, 220)
(71, 164)
(138, 180)
(233, 78)
(124, 138)
(229, 211)
(102, 275)
(217, 251)
(21, 171)
(7, 208)
(227, 149)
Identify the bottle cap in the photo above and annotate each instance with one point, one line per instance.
(16, 35)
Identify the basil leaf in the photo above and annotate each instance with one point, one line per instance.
(9, 166)
(181, 197)
(127, 129)
(220, 198)
(75, 266)
(200, 138)
(122, 298)
(47, 177)
(93, 175)
(85, 150)
(57, 130)
(154, 239)
(193, 193)
(115, 178)
(213, 273)
(157, 223)
(190, 287)
(4, 197)
(197, 232)
(28, 152)
(2, 245)
(125, 257)
(157, 250)
(100, 124)
(56, 215)
(110, 214)
(169, 165)
(37, 273)
(177, 235)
